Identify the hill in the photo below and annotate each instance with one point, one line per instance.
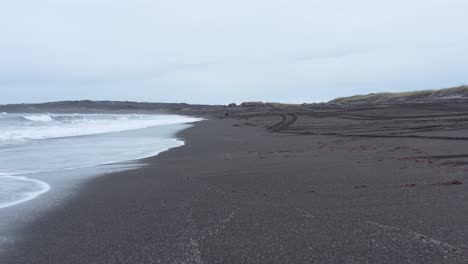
(427, 96)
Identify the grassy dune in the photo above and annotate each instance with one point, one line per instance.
(460, 92)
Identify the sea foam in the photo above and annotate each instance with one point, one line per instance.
(15, 190)
(30, 127)
(35, 145)
(39, 118)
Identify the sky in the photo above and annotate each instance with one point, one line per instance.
(218, 52)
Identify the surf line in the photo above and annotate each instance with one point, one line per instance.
(42, 187)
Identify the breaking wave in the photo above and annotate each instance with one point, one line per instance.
(30, 127)
(34, 144)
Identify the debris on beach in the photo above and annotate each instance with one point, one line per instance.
(406, 185)
(451, 182)
(360, 186)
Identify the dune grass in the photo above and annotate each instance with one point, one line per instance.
(461, 91)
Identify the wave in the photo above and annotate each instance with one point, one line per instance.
(86, 161)
(24, 156)
(39, 118)
(17, 187)
(15, 190)
(32, 127)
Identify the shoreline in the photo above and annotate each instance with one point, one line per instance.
(62, 185)
(45, 187)
(24, 181)
(236, 192)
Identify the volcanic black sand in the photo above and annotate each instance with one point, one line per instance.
(378, 184)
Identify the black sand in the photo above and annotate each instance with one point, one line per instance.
(386, 185)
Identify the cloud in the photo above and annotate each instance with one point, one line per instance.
(211, 51)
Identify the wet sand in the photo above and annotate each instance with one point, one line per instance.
(346, 185)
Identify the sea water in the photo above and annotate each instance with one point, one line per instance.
(32, 144)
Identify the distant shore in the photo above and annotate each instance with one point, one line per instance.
(365, 185)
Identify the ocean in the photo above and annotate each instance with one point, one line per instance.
(32, 145)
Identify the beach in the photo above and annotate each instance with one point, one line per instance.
(233, 132)
(291, 185)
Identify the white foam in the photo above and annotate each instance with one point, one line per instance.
(18, 189)
(40, 118)
(59, 126)
(23, 154)
(15, 190)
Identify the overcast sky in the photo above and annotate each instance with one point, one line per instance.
(216, 51)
